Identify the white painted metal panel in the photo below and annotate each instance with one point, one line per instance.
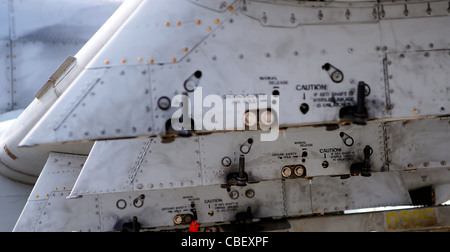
(90, 95)
(212, 204)
(307, 146)
(4, 20)
(419, 83)
(33, 63)
(297, 197)
(289, 61)
(38, 40)
(138, 165)
(439, 178)
(5, 79)
(381, 189)
(160, 33)
(102, 95)
(215, 5)
(47, 200)
(401, 220)
(148, 164)
(13, 197)
(413, 9)
(287, 13)
(56, 20)
(227, 48)
(109, 211)
(247, 50)
(50, 209)
(421, 144)
(5, 59)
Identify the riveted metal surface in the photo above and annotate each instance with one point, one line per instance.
(106, 181)
(28, 55)
(148, 164)
(5, 59)
(140, 164)
(60, 173)
(47, 203)
(381, 189)
(429, 219)
(91, 94)
(307, 146)
(50, 208)
(215, 5)
(254, 49)
(414, 9)
(4, 20)
(212, 204)
(160, 33)
(34, 41)
(60, 214)
(290, 63)
(427, 77)
(414, 34)
(297, 197)
(420, 144)
(287, 13)
(231, 68)
(6, 103)
(167, 169)
(322, 153)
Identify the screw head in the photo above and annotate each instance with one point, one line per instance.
(234, 194)
(226, 161)
(250, 193)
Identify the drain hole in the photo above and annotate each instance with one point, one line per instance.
(304, 108)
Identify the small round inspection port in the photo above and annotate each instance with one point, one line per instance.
(325, 164)
(164, 103)
(304, 108)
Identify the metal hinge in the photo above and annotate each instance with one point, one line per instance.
(387, 160)
(57, 76)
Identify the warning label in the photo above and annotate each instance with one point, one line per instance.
(337, 154)
(332, 99)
